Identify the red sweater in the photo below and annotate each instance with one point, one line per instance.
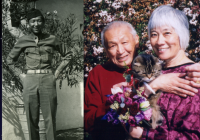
(99, 83)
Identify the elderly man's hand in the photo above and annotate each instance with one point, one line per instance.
(172, 83)
(193, 74)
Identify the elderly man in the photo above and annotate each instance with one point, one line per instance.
(39, 83)
(120, 40)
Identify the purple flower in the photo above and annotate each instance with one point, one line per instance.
(111, 115)
(139, 99)
(126, 89)
(132, 121)
(139, 117)
(116, 121)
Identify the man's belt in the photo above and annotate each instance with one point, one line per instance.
(39, 71)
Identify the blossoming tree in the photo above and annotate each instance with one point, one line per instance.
(98, 13)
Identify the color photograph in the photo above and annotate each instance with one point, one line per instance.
(141, 69)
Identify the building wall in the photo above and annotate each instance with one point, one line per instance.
(70, 106)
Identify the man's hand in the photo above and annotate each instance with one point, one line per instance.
(193, 74)
(57, 74)
(62, 65)
(172, 83)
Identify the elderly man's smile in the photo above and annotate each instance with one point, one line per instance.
(121, 45)
(122, 58)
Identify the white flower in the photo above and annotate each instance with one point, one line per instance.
(155, 4)
(116, 90)
(100, 14)
(48, 13)
(122, 16)
(86, 69)
(86, 75)
(148, 44)
(116, 5)
(96, 15)
(186, 54)
(190, 3)
(100, 49)
(193, 22)
(188, 11)
(55, 12)
(104, 13)
(131, 11)
(90, 69)
(109, 18)
(85, 52)
(97, 24)
(98, 1)
(97, 51)
(125, 1)
(194, 16)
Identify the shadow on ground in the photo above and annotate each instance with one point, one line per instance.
(70, 134)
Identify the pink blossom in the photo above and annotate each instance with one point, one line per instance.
(132, 121)
(147, 114)
(128, 101)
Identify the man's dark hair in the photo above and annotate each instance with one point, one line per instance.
(34, 13)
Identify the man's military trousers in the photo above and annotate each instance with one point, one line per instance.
(39, 91)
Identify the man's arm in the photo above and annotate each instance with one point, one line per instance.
(173, 83)
(94, 108)
(61, 48)
(14, 55)
(193, 74)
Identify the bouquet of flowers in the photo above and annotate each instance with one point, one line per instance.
(127, 108)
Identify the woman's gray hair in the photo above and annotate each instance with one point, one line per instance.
(115, 24)
(166, 15)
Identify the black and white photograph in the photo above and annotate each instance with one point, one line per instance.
(42, 70)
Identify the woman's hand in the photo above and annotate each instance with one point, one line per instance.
(172, 83)
(135, 132)
(193, 74)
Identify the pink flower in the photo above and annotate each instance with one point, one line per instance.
(111, 99)
(118, 97)
(128, 102)
(131, 121)
(147, 114)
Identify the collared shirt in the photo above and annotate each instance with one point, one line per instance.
(38, 52)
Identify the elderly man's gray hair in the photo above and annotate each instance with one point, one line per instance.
(116, 24)
(166, 15)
